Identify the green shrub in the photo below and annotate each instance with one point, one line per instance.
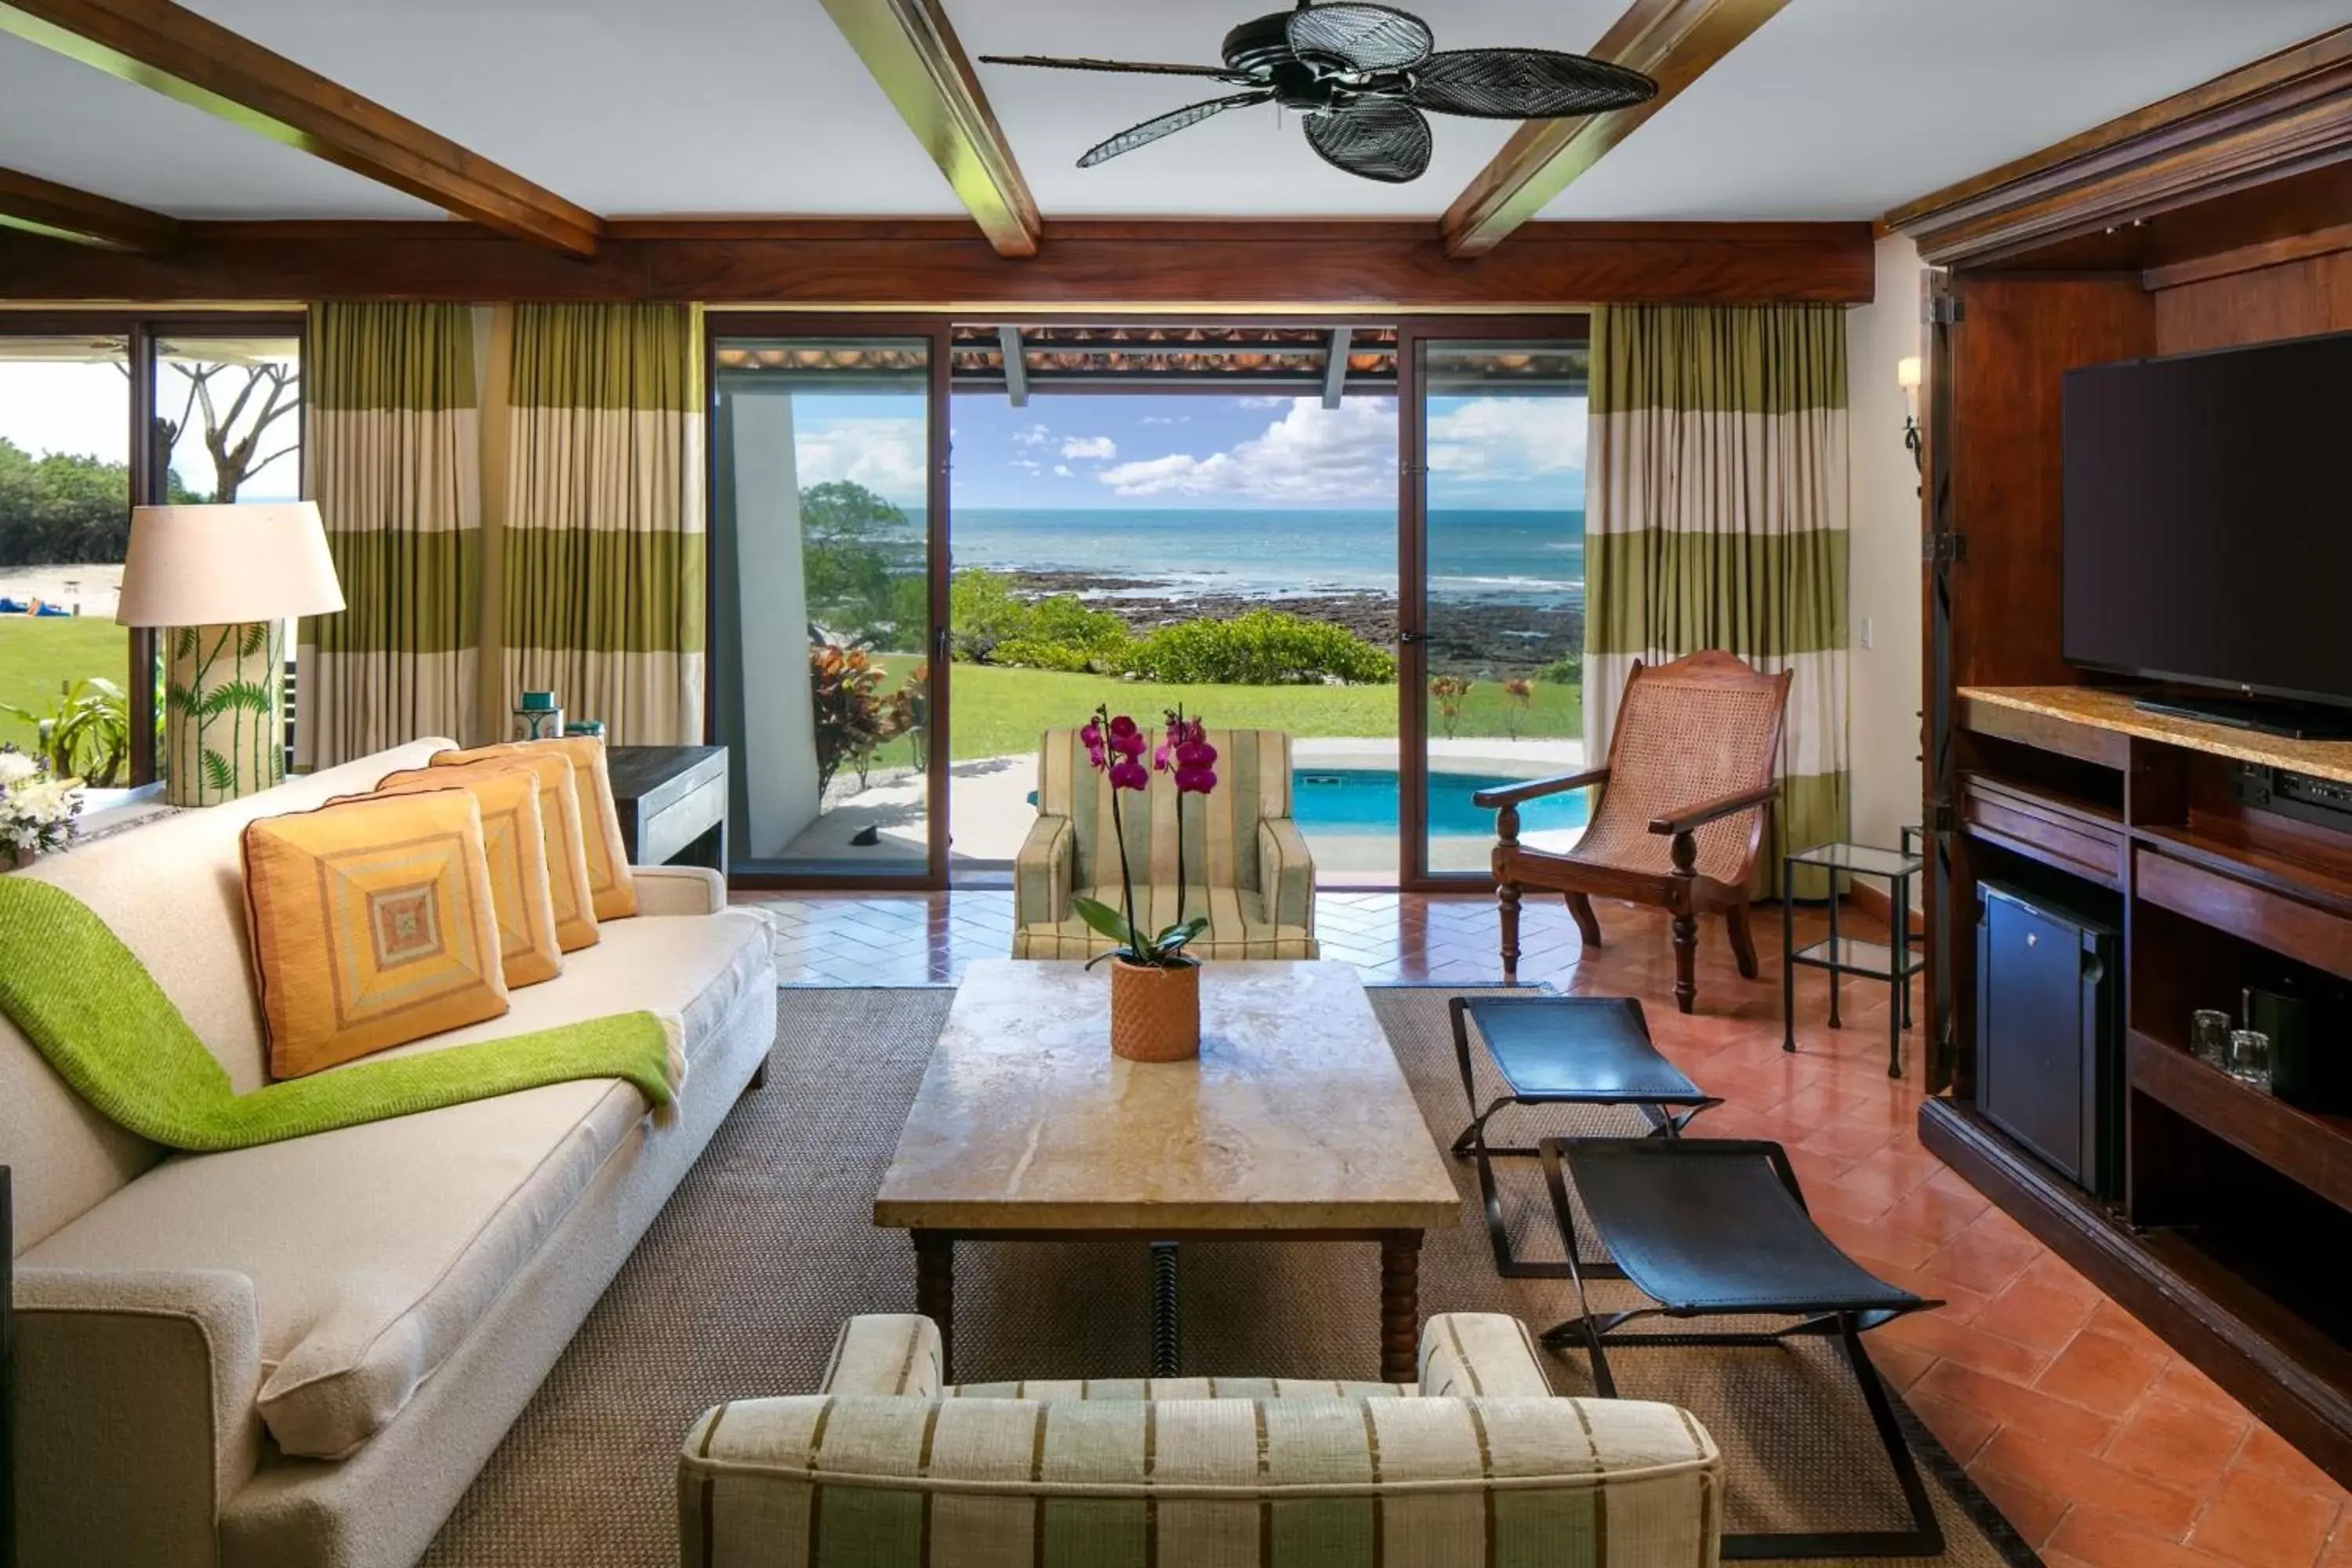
(1260, 647)
(982, 610)
(1066, 619)
(1568, 670)
(1040, 653)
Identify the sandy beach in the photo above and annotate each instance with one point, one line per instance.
(94, 588)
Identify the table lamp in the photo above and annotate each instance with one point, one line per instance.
(225, 580)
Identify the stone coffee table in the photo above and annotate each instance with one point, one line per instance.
(1295, 1124)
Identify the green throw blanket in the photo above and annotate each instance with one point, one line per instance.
(90, 1007)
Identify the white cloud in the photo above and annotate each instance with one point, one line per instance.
(1027, 465)
(1260, 402)
(1035, 435)
(1101, 448)
(1167, 419)
(886, 456)
(1061, 470)
(1311, 454)
(1491, 440)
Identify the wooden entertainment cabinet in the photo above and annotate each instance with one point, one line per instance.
(2236, 1214)
(2218, 218)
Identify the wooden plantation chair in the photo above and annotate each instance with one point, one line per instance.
(1680, 817)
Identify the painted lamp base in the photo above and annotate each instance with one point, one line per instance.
(223, 711)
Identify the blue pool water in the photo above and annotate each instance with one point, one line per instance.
(1364, 800)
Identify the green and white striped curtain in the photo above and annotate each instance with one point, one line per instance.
(602, 550)
(394, 464)
(1715, 518)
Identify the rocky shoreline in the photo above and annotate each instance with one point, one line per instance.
(1466, 636)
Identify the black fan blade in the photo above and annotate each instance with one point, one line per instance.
(1139, 67)
(1168, 124)
(1524, 84)
(1377, 138)
(1360, 38)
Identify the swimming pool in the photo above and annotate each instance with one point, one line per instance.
(1364, 800)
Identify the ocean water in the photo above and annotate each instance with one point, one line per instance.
(1520, 557)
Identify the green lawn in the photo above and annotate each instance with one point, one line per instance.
(36, 656)
(1000, 712)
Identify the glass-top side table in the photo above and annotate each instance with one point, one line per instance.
(1893, 962)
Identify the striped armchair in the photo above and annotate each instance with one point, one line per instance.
(1478, 1463)
(1244, 858)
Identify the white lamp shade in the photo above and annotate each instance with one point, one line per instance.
(1907, 373)
(221, 565)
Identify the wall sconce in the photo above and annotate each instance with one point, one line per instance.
(1907, 372)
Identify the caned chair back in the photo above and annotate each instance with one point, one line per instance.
(1687, 732)
(1220, 829)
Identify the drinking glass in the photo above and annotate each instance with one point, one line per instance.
(2250, 1058)
(2209, 1037)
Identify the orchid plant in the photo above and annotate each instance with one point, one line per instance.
(37, 809)
(1115, 747)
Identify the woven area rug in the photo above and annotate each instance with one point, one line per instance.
(743, 1280)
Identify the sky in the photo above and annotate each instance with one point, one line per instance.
(1067, 452)
(1078, 452)
(83, 410)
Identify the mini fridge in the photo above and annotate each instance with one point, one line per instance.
(2049, 1029)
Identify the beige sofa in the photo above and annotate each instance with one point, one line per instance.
(299, 1355)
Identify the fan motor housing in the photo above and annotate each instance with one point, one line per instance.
(1259, 46)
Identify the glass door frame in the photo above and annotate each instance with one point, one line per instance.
(142, 332)
(1414, 333)
(936, 330)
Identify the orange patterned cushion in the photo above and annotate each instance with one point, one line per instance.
(600, 819)
(516, 848)
(372, 924)
(559, 820)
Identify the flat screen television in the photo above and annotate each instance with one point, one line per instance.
(2209, 520)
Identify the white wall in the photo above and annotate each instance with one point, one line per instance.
(779, 736)
(1882, 590)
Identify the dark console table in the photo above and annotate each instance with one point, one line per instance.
(673, 803)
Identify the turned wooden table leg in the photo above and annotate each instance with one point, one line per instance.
(935, 1290)
(1400, 1306)
(1507, 908)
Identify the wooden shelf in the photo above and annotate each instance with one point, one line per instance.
(2246, 901)
(2313, 1150)
(2067, 832)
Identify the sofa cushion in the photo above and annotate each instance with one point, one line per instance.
(374, 1251)
(614, 894)
(563, 837)
(1238, 926)
(514, 842)
(373, 925)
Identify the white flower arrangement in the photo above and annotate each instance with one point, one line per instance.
(36, 812)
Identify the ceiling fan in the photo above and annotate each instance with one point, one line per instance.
(1361, 75)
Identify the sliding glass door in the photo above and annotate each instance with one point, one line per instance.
(828, 456)
(1493, 497)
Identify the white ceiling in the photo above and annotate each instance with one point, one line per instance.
(1835, 109)
(68, 122)
(1846, 108)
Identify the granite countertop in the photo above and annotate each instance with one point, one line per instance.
(1295, 1117)
(2104, 708)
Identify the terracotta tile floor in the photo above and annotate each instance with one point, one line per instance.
(2099, 1444)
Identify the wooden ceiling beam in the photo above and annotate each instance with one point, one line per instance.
(1354, 268)
(41, 207)
(1673, 41)
(2285, 115)
(157, 45)
(912, 54)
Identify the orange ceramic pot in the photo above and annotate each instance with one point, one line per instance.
(1155, 1014)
